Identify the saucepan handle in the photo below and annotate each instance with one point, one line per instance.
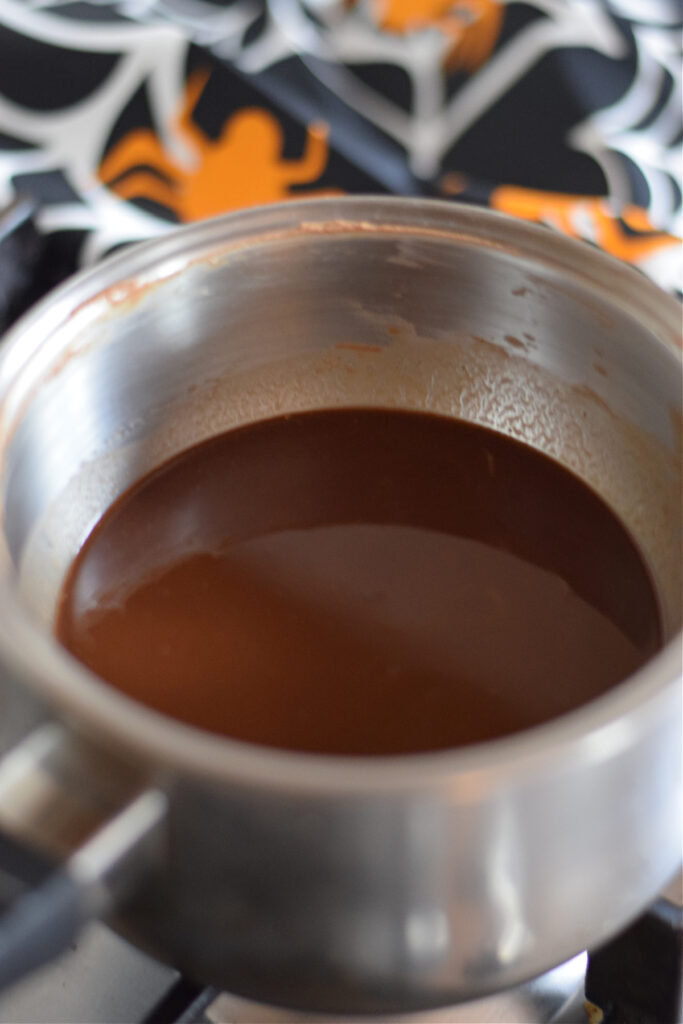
(44, 902)
(46, 787)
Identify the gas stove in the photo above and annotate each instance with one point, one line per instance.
(106, 980)
(634, 979)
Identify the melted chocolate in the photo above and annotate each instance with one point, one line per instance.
(360, 581)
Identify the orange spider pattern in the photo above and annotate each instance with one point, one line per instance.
(473, 26)
(243, 167)
(560, 210)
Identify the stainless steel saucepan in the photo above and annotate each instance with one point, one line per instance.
(342, 885)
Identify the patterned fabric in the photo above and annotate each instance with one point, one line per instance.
(126, 117)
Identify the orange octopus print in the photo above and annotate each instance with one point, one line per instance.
(565, 212)
(243, 167)
(472, 26)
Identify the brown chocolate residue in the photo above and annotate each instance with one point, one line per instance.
(484, 341)
(593, 396)
(676, 418)
(353, 346)
(515, 342)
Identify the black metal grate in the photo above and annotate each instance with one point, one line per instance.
(184, 1003)
(637, 977)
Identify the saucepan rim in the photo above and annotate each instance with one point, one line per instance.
(596, 730)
